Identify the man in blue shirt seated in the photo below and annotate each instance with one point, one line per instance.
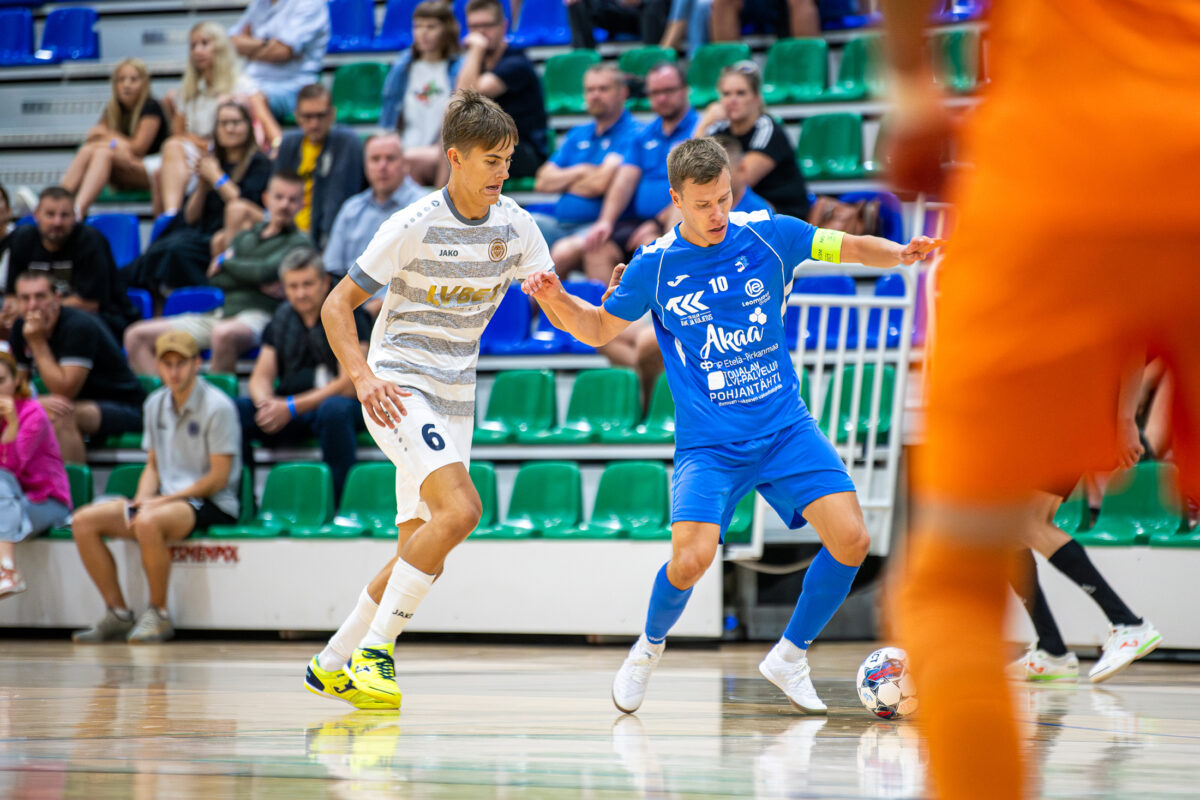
(391, 189)
(716, 285)
(584, 166)
(642, 178)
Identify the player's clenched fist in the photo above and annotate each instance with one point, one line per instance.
(542, 285)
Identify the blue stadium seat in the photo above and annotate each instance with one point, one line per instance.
(886, 286)
(121, 230)
(160, 224)
(543, 22)
(845, 14)
(142, 302)
(549, 339)
(509, 327)
(27, 220)
(193, 300)
(891, 221)
(352, 25)
(69, 35)
(396, 31)
(822, 284)
(16, 37)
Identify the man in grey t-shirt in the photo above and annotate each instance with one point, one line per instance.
(193, 467)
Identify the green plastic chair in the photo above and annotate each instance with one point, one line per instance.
(859, 71)
(1140, 506)
(123, 480)
(297, 499)
(357, 89)
(521, 400)
(659, 425)
(368, 504)
(111, 195)
(79, 478)
(1073, 515)
(483, 475)
(630, 501)
(545, 500)
(245, 501)
(706, 66)
(601, 400)
(738, 531)
(955, 55)
(563, 81)
(831, 146)
(637, 62)
(797, 71)
(227, 382)
(844, 423)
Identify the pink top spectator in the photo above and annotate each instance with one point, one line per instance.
(33, 457)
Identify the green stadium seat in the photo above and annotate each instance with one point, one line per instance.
(831, 146)
(706, 66)
(123, 480)
(545, 499)
(601, 400)
(563, 81)
(357, 89)
(521, 400)
(483, 475)
(659, 425)
(862, 425)
(638, 61)
(955, 55)
(368, 504)
(858, 71)
(79, 477)
(1140, 506)
(114, 196)
(297, 499)
(1073, 515)
(521, 184)
(742, 521)
(227, 382)
(632, 500)
(797, 71)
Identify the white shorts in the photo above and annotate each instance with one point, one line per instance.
(423, 442)
(201, 326)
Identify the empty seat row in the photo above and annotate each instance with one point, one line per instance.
(68, 35)
(1141, 506)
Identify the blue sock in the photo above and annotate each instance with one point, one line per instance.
(666, 604)
(826, 584)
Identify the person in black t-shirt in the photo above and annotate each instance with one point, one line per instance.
(123, 145)
(769, 166)
(507, 77)
(75, 257)
(90, 389)
(314, 396)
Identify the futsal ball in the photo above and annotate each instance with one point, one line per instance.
(885, 685)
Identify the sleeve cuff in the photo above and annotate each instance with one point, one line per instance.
(364, 281)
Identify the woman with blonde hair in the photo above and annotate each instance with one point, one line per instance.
(122, 147)
(211, 76)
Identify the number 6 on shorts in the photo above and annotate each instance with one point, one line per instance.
(431, 437)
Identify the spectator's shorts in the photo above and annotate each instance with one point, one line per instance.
(117, 418)
(200, 326)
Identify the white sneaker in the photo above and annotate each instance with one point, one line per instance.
(629, 687)
(1125, 644)
(793, 678)
(1038, 665)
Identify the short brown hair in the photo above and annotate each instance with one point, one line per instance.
(480, 5)
(473, 120)
(698, 160)
(56, 193)
(439, 11)
(22, 386)
(313, 91)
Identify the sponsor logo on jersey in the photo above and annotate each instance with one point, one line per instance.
(460, 295)
(497, 250)
(678, 280)
(720, 340)
(741, 264)
(754, 287)
(686, 304)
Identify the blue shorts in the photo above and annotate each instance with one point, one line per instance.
(791, 468)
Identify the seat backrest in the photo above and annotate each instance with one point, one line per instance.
(160, 224)
(633, 492)
(564, 73)
(542, 22)
(1146, 496)
(301, 493)
(79, 478)
(483, 475)
(351, 24)
(605, 398)
(70, 33)
(396, 30)
(370, 490)
(193, 300)
(246, 497)
(522, 399)
(852, 69)
(121, 231)
(661, 411)
(142, 302)
(802, 63)
(123, 479)
(357, 89)
(738, 531)
(955, 55)
(638, 61)
(709, 59)
(866, 389)
(548, 493)
(510, 323)
(16, 35)
(149, 382)
(891, 220)
(227, 382)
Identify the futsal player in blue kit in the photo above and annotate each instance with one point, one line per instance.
(717, 286)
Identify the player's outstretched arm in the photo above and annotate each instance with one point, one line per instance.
(589, 324)
(873, 251)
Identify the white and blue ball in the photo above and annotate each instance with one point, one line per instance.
(885, 684)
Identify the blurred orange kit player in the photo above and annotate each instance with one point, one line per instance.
(1076, 248)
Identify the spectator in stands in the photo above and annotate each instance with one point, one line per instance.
(645, 19)
(507, 76)
(390, 189)
(688, 19)
(34, 493)
(248, 275)
(418, 87)
(122, 148)
(803, 18)
(328, 157)
(298, 389)
(283, 42)
(769, 164)
(212, 76)
(90, 390)
(8, 303)
(584, 165)
(75, 257)
(642, 177)
(234, 170)
(190, 481)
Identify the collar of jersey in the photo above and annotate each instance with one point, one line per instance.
(460, 217)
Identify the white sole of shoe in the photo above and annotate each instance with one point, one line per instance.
(1105, 676)
(803, 709)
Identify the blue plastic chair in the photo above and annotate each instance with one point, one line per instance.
(509, 327)
(891, 221)
(142, 302)
(824, 284)
(548, 339)
(69, 35)
(886, 286)
(543, 22)
(27, 220)
(121, 230)
(16, 37)
(160, 224)
(193, 300)
(352, 25)
(396, 31)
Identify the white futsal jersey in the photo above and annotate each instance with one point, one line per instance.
(445, 275)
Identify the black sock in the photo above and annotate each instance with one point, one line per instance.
(1072, 560)
(1030, 592)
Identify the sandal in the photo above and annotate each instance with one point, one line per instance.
(11, 582)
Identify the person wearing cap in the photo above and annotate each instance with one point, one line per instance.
(193, 468)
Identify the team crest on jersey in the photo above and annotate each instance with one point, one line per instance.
(497, 250)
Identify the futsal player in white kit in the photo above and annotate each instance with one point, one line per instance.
(446, 261)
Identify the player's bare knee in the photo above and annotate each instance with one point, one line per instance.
(457, 522)
(690, 566)
(854, 546)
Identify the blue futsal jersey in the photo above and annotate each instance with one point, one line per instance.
(718, 314)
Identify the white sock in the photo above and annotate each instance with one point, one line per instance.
(342, 644)
(406, 588)
(646, 644)
(789, 652)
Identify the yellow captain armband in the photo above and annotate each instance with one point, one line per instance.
(827, 246)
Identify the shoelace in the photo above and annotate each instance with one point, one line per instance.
(387, 667)
(641, 668)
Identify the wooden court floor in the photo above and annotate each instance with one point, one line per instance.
(230, 720)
